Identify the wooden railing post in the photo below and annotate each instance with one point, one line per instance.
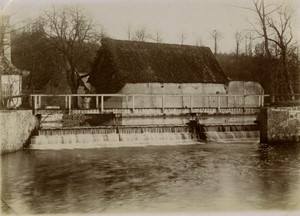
(132, 103)
(66, 102)
(33, 104)
(234, 101)
(244, 103)
(70, 102)
(97, 102)
(163, 103)
(39, 102)
(182, 101)
(191, 102)
(126, 101)
(209, 101)
(102, 103)
(219, 104)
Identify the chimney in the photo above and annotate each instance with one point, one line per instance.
(5, 37)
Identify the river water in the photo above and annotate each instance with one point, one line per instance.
(185, 178)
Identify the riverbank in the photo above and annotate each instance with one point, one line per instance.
(17, 126)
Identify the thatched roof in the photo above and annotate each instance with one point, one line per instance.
(7, 68)
(120, 62)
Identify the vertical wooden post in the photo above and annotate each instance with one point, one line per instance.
(97, 102)
(262, 100)
(126, 100)
(219, 103)
(39, 102)
(209, 101)
(191, 102)
(182, 101)
(33, 104)
(132, 103)
(102, 103)
(244, 103)
(234, 101)
(259, 100)
(66, 102)
(227, 96)
(163, 103)
(70, 102)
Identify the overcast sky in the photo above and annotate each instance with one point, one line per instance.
(194, 18)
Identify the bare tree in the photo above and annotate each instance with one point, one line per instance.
(198, 41)
(238, 40)
(182, 37)
(129, 31)
(216, 36)
(275, 29)
(141, 34)
(157, 37)
(248, 44)
(4, 34)
(70, 31)
(238, 36)
(282, 31)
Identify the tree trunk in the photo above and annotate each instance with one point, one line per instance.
(215, 46)
(72, 82)
(287, 75)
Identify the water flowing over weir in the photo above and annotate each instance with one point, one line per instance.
(112, 136)
(229, 133)
(109, 136)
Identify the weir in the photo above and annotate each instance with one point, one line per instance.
(228, 133)
(143, 135)
(223, 118)
(97, 137)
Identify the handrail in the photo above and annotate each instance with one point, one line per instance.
(186, 101)
(149, 95)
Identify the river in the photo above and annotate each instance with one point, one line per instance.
(185, 178)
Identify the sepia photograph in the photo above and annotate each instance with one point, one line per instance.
(150, 107)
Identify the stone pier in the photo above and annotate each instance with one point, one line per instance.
(16, 129)
(279, 124)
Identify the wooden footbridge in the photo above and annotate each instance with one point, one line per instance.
(143, 104)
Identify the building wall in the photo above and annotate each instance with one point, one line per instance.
(16, 128)
(11, 85)
(252, 90)
(244, 88)
(159, 89)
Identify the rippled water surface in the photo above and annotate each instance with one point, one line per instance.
(203, 177)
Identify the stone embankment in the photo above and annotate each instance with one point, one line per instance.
(279, 124)
(16, 129)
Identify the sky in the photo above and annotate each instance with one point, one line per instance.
(193, 18)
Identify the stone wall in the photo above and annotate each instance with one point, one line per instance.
(280, 124)
(16, 128)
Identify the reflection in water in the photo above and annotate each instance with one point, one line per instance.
(171, 178)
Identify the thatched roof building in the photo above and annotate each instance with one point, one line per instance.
(121, 62)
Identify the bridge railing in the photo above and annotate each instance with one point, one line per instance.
(103, 102)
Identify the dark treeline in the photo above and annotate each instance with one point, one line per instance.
(259, 69)
(32, 52)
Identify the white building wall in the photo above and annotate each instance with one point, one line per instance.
(158, 89)
(11, 85)
(252, 89)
